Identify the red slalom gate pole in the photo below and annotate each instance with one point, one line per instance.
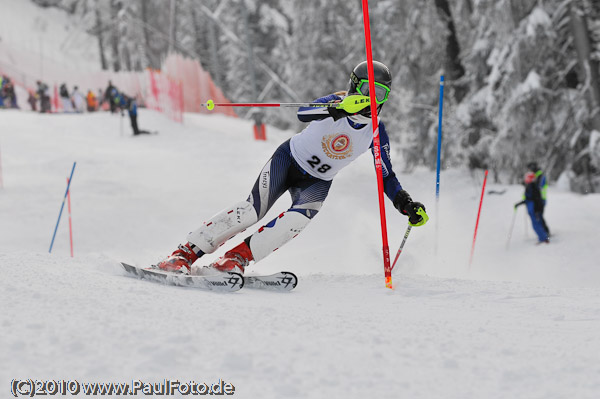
(70, 225)
(478, 214)
(377, 146)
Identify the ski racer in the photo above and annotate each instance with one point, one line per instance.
(534, 200)
(305, 166)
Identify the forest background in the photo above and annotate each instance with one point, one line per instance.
(522, 76)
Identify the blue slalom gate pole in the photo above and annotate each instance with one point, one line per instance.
(439, 162)
(62, 207)
(439, 143)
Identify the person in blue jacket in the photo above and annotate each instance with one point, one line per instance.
(542, 183)
(305, 166)
(131, 104)
(535, 202)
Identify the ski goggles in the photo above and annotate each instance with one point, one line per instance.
(381, 91)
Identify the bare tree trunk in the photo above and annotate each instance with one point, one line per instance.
(172, 24)
(114, 12)
(453, 66)
(127, 58)
(150, 58)
(588, 69)
(99, 33)
(469, 6)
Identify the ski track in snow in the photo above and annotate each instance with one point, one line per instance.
(521, 322)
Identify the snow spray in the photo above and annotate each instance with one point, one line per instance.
(62, 206)
(478, 214)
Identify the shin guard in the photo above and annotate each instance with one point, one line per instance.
(276, 233)
(223, 226)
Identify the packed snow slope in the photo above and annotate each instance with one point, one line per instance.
(522, 321)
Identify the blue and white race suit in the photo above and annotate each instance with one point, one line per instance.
(305, 166)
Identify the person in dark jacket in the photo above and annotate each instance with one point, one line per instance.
(8, 93)
(109, 96)
(542, 183)
(132, 110)
(535, 207)
(43, 93)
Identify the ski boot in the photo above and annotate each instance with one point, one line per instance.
(181, 260)
(234, 260)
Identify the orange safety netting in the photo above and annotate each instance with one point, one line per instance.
(198, 87)
(181, 86)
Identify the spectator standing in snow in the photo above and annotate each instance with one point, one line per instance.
(2, 91)
(109, 96)
(78, 100)
(43, 93)
(92, 103)
(120, 101)
(32, 100)
(8, 92)
(534, 199)
(65, 98)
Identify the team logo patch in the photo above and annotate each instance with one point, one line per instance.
(337, 146)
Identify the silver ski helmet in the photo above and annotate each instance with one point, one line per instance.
(359, 83)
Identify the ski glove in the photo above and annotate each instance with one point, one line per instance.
(414, 210)
(518, 204)
(337, 113)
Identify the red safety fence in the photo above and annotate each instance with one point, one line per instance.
(181, 86)
(198, 86)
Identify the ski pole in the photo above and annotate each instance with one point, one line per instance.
(70, 223)
(121, 125)
(512, 225)
(351, 104)
(478, 214)
(526, 230)
(62, 207)
(401, 245)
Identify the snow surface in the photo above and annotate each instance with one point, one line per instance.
(520, 322)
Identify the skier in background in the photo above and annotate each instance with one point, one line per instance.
(542, 183)
(534, 199)
(304, 165)
(132, 110)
